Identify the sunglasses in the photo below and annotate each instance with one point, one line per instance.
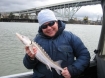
(50, 23)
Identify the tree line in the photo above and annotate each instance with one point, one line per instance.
(85, 19)
(12, 16)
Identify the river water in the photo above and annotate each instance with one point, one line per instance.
(12, 50)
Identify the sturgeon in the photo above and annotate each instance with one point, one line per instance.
(41, 55)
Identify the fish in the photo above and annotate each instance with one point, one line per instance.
(41, 54)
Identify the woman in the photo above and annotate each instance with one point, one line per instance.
(60, 45)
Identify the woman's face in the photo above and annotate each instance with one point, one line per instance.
(50, 28)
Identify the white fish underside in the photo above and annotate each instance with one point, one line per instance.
(41, 55)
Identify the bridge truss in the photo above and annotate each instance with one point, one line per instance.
(63, 11)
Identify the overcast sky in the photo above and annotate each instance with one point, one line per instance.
(92, 11)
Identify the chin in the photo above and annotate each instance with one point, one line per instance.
(51, 36)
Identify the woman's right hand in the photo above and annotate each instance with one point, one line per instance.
(30, 54)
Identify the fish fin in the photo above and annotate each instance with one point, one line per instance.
(48, 67)
(30, 47)
(58, 71)
(59, 62)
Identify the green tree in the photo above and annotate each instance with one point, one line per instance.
(11, 16)
(0, 15)
(22, 16)
(26, 16)
(85, 19)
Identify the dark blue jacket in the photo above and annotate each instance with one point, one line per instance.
(63, 46)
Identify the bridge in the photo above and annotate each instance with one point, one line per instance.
(63, 11)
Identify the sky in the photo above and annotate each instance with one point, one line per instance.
(94, 12)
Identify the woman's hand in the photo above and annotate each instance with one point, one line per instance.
(32, 55)
(66, 73)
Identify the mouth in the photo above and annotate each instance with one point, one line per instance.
(19, 36)
(25, 40)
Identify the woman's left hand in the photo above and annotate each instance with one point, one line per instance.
(66, 73)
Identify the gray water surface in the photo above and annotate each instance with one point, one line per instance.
(12, 50)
